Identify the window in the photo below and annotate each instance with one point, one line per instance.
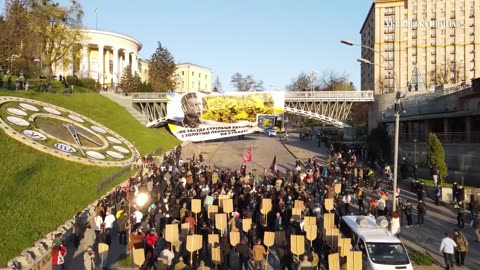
(193, 73)
(193, 85)
(205, 76)
(183, 72)
(199, 75)
(387, 253)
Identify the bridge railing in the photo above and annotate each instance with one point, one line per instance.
(156, 95)
(291, 96)
(330, 95)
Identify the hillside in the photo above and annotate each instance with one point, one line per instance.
(40, 191)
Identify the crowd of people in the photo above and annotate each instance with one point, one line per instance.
(172, 184)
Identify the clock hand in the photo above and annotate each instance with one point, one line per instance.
(86, 137)
(74, 134)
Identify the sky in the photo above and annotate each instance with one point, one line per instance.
(272, 40)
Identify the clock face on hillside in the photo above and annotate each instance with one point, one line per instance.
(63, 133)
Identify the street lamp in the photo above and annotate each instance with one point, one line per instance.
(398, 110)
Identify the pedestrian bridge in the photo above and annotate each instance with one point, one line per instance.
(331, 107)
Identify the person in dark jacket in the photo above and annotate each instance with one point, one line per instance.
(422, 211)
(244, 253)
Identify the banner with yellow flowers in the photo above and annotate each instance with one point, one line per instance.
(202, 117)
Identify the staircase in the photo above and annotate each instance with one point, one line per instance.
(126, 102)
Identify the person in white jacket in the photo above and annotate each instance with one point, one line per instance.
(447, 247)
(395, 224)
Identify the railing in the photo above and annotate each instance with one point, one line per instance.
(290, 96)
(156, 95)
(330, 95)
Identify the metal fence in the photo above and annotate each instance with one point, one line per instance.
(107, 181)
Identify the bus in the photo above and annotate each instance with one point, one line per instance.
(381, 249)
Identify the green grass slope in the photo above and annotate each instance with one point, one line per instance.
(39, 192)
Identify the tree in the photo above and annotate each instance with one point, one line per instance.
(56, 28)
(436, 156)
(333, 81)
(217, 85)
(161, 70)
(246, 84)
(447, 73)
(129, 82)
(302, 83)
(378, 143)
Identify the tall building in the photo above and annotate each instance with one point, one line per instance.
(419, 44)
(193, 78)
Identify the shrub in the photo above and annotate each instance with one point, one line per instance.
(88, 83)
(419, 258)
(73, 80)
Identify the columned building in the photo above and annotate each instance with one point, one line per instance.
(102, 56)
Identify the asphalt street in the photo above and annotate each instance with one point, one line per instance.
(228, 153)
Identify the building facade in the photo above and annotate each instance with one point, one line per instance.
(102, 56)
(193, 78)
(418, 44)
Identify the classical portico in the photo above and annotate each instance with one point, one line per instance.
(104, 56)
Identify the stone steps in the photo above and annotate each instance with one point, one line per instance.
(126, 102)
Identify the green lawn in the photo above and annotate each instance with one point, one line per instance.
(39, 192)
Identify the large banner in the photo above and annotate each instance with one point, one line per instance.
(201, 117)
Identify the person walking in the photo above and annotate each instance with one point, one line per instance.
(259, 254)
(305, 263)
(461, 214)
(462, 247)
(346, 203)
(438, 194)
(447, 248)
(89, 259)
(422, 211)
(244, 253)
(407, 209)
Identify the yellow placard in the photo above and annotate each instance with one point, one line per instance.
(296, 213)
(299, 204)
(338, 188)
(331, 237)
(213, 238)
(216, 255)
(346, 246)
(138, 256)
(194, 242)
(266, 206)
(308, 220)
(246, 224)
(311, 232)
(354, 260)
(329, 204)
(227, 206)
(234, 238)
(221, 198)
(328, 221)
(297, 244)
(221, 221)
(196, 206)
(171, 233)
(198, 240)
(212, 210)
(268, 238)
(334, 262)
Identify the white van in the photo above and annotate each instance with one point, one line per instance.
(381, 249)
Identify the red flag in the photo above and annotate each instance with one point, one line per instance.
(248, 156)
(273, 167)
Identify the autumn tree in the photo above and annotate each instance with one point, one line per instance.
(130, 82)
(246, 84)
(57, 30)
(161, 70)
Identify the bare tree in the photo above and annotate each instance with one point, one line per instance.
(246, 84)
(302, 83)
(217, 85)
(333, 81)
(448, 73)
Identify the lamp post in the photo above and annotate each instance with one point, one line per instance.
(398, 110)
(414, 151)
